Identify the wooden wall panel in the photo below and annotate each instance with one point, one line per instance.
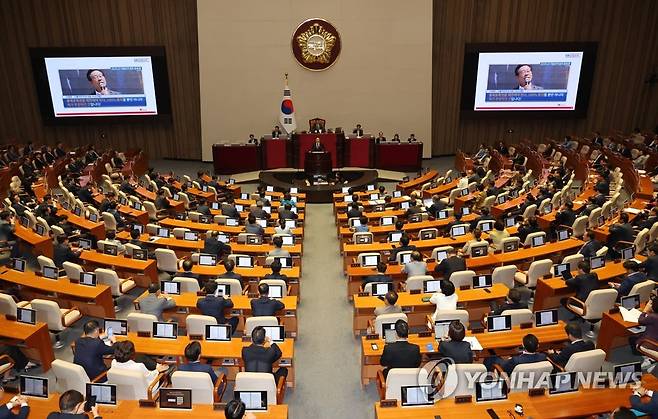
(76, 23)
(627, 33)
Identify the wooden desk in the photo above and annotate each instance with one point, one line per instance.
(172, 223)
(381, 232)
(145, 271)
(417, 182)
(341, 219)
(96, 229)
(229, 352)
(142, 217)
(41, 245)
(549, 337)
(92, 301)
(178, 206)
(129, 409)
(441, 189)
(613, 333)
(35, 337)
(475, 300)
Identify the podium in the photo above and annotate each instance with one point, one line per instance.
(317, 163)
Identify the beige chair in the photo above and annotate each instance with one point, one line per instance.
(140, 322)
(542, 205)
(262, 381)
(462, 278)
(436, 250)
(504, 275)
(276, 282)
(235, 287)
(130, 248)
(579, 226)
(362, 237)
(519, 316)
(8, 305)
(643, 289)
(400, 255)
(194, 216)
(57, 319)
(8, 364)
(45, 261)
(166, 260)
(187, 284)
(653, 232)
(252, 322)
(525, 376)
(72, 376)
(531, 236)
(195, 324)
(431, 233)
(489, 201)
(110, 221)
(592, 309)
(586, 361)
(573, 261)
(391, 387)
(152, 229)
(461, 315)
(593, 220)
(361, 258)
(385, 319)
(118, 286)
(529, 211)
(603, 251)
(464, 376)
(537, 270)
(154, 214)
(450, 200)
(179, 232)
(134, 385)
(506, 240)
(182, 196)
(203, 390)
(414, 283)
(243, 237)
(73, 270)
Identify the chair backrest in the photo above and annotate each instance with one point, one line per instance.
(599, 302)
(152, 229)
(398, 378)
(277, 282)
(462, 278)
(387, 318)
(45, 261)
(7, 305)
(252, 322)
(519, 315)
(454, 193)
(187, 284)
(195, 324)
(150, 209)
(400, 255)
(586, 361)
(641, 240)
(580, 225)
(110, 221)
(643, 289)
(542, 204)
(130, 248)
(489, 201)
(131, 385)
(257, 381)
(70, 376)
(166, 260)
(48, 312)
(436, 250)
(606, 209)
(602, 251)
(416, 282)
(557, 198)
(529, 211)
(504, 275)
(527, 376)
(464, 376)
(361, 258)
(199, 382)
(461, 315)
(512, 239)
(432, 232)
(179, 232)
(141, 322)
(362, 237)
(528, 239)
(573, 261)
(653, 232)
(110, 278)
(538, 269)
(234, 284)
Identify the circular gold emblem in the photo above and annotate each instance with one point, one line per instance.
(316, 44)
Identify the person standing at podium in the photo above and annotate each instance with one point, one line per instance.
(317, 145)
(277, 132)
(358, 131)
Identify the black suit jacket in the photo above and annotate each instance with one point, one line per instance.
(583, 284)
(450, 265)
(460, 352)
(650, 407)
(199, 367)
(264, 306)
(259, 358)
(394, 252)
(7, 414)
(650, 265)
(400, 354)
(590, 248)
(89, 354)
(561, 358)
(620, 232)
(63, 253)
(377, 278)
(213, 246)
(214, 306)
(511, 363)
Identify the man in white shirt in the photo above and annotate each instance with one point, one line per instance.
(446, 299)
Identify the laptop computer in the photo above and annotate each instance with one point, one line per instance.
(175, 398)
(499, 323)
(165, 330)
(627, 373)
(596, 262)
(630, 302)
(102, 393)
(560, 268)
(546, 317)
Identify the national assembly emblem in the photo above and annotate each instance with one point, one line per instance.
(316, 44)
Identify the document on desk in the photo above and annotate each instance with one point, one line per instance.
(632, 210)
(630, 316)
(474, 342)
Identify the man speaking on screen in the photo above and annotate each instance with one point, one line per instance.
(523, 73)
(97, 80)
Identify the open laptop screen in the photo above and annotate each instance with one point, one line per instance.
(482, 281)
(165, 330)
(33, 386)
(218, 332)
(417, 395)
(102, 393)
(490, 390)
(253, 400)
(499, 323)
(546, 317)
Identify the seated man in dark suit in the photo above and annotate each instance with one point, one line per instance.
(619, 232)
(456, 348)
(633, 277)
(380, 276)
(229, 264)
(400, 354)
(513, 302)
(134, 240)
(212, 246)
(529, 226)
(261, 355)
(591, 245)
(276, 271)
(228, 208)
(203, 207)
(436, 207)
(90, 349)
(264, 305)
(403, 247)
(354, 211)
(63, 252)
(528, 356)
(650, 265)
(215, 306)
(566, 216)
(584, 283)
(453, 263)
(192, 356)
(457, 221)
(650, 406)
(358, 131)
(576, 344)
(187, 270)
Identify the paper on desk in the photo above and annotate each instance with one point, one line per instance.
(474, 342)
(633, 210)
(630, 316)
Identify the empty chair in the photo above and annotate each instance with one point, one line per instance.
(71, 376)
(643, 289)
(519, 315)
(391, 387)
(262, 381)
(130, 248)
(73, 270)
(182, 196)
(140, 322)
(504, 242)
(9, 306)
(461, 315)
(203, 390)
(386, 319)
(187, 284)
(579, 226)
(592, 309)
(586, 361)
(450, 200)
(504, 275)
(603, 251)
(529, 211)
(166, 260)
(542, 205)
(573, 261)
(133, 385)
(235, 287)
(152, 211)
(439, 249)
(252, 322)
(152, 229)
(432, 233)
(179, 232)
(593, 220)
(531, 236)
(110, 221)
(465, 374)
(242, 237)
(362, 257)
(118, 286)
(45, 261)
(462, 278)
(194, 216)
(489, 201)
(195, 324)
(414, 283)
(536, 270)
(57, 319)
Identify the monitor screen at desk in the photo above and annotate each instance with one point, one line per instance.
(165, 330)
(50, 272)
(293, 190)
(205, 219)
(84, 243)
(41, 230)
(560, 268)
(288, 240)
(428, 234)
(394, 237)
(232, 222)
(457, 231)
(93, 217)
(77, 211)
(464, 192)
(104, 393)
(432, 285)
(628, 253)
(223, 238)
(381, 288)
(239, 207)
(275, 333)
(442, 215)
(440, 255)
(118, 327)
(514, 193)
(262, 222)
(447, 180)
(405, 258)
(370, 187)
(207, 260)
(490, 390)
(627, 373)
(387, 221)
(601, 221)
(511, 246)
(347, 198)
(501, 199)
(538, 241)
(374, 196)
(478, 251)
(163, 232)
(88, 278)
(417, 395)
(596, 262)
(291, 223)
(138, 227)
(546, 317)
(173, 398)
(488, 226)
(253, 400)
(244, 196)
(223, 289)
(218, 332)
(370, 260)
(253, 239)
(269, 210)
(110, 249)
(170, 287)
(466, 211)
(191, 236)
(397, 194)
(214, 205)
(245, 262)
(137, 206)
(548, 208)
(441, 328)
(562, 235)
(345, 189)
(563, 382)
(499, 323)
(140, 254)
(286, 262)
(276, 291)
(482, 281)
(404, 205)
(18, 264)
(630, 301)
(269, 189)
(26, 315)
(33, 386)
(510, 222)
